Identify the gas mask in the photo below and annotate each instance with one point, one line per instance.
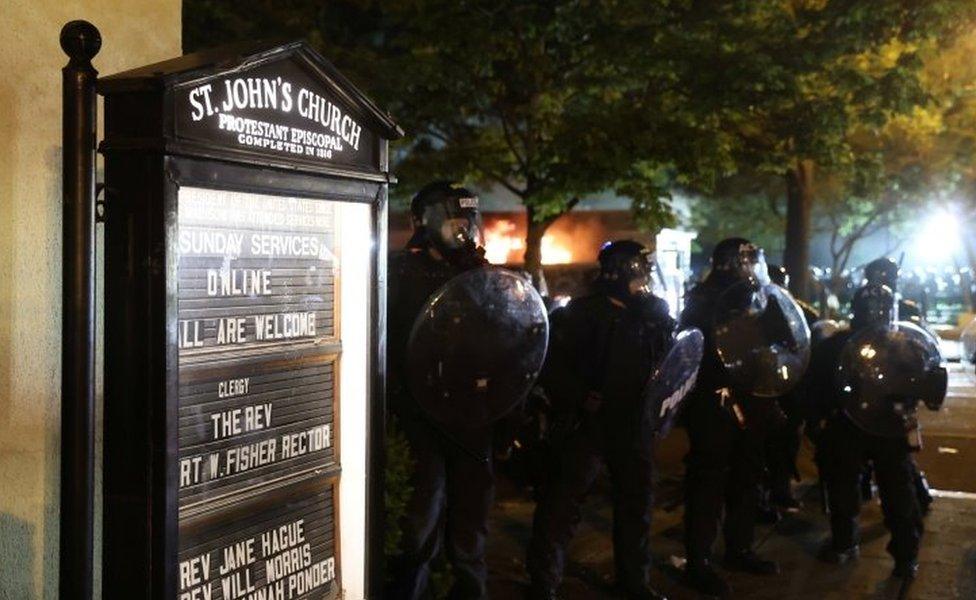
(749, 262)
(454, 226)
(640, 270)
(626, 268)
(873, 306)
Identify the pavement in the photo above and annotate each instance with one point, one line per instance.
(947, 558)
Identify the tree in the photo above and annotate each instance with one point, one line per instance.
(552, 101)
(744, 206)
(556, 100)
(795, 78)
(922, 158)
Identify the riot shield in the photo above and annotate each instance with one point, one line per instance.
(476, 348)
(671, 381)
(884, 371)
(762, 338)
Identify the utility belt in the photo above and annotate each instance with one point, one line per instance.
(913, 433)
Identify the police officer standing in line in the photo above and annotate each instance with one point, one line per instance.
(452, 483)
(884, 271)
(726, 430)
(842, 450)
(602, 350)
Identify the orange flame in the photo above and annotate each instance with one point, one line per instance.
(504, 243)
(554, 251)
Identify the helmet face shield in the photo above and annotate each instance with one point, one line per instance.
(882, 271)
(454, 228)
(627, 267)
(753, 263)
(741, 259)
(748, 263)
(873, 306)
(640, 270)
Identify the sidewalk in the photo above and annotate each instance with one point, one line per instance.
(947, 559)
(948, 556)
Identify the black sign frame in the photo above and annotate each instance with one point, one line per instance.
(145, 168)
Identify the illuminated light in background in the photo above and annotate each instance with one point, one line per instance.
(501, 241)
(504, 243)
(939, 238)
(554, 252)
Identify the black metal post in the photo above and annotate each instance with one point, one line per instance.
(81, 41)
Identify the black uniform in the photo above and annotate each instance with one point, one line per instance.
(452, 487)
(843, 449)
(726, 431)
(907, 311)
(600, 345)
(782, 448)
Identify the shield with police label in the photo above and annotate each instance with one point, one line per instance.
(762, 338)
(883, 372)
(672, 380)
(476, 348)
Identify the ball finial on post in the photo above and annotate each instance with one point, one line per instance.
(80, 40)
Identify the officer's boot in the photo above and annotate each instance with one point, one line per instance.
(905, 569)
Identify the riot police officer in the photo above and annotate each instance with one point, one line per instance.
(602, 350)
(843, 447)
(885, 271)
(452, 480)
(726, 430)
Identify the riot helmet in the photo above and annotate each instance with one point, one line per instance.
(741, 259)
(626, 267)
(873, 305)
(779, 276)
(882, 271)
(448, 216)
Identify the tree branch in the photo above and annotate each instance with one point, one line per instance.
(503, 181)
(523, 162)
(569, 206)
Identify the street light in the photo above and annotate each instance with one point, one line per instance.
(939, 238)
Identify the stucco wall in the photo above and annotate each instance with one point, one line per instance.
(133, 33)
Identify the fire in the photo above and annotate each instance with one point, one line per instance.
(501, 241)
(554, 252)
(505, 243)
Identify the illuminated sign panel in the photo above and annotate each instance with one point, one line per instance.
(260, 348)
(285, 551)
